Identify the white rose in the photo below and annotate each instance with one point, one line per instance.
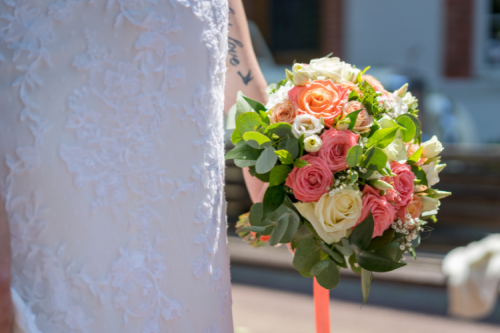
(431, 173)
(312, 143)
(432, 148)
(300, 74)
(332, 68)
(396, 150)
(279, 95)
(333, 214)
(429, 204)
(307, 125)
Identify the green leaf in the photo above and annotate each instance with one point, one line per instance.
(420, 174)
(329, 277)
(354, 155)
(337, 257)
(279, 231)
(254, 104)
(365, 70)
(231, 118)
(353, 263)
(376, 263)
(242, 151)
(375, 159)
(280, 129)
(344, 247)
(301, 234)
(306, 255)
(390, 251)
(291, 144)
(379, 241)
(300, 163)
(366, 281)
(273, 198)
(383, 137)
(293, 224)
(257, 140)
(266, 160)
(265, 117)
(255, 217)
(362, 235)
(409, 127)
(353, 116)
(418, 126)
(320, 267)
(263, 177)
(242, 105)
(415, 157)
(285, 156)
(255, 228)
(244, 163)
(353, 96)
(247, 122)
(235, 137)
(279, 174)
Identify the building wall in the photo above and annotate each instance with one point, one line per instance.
(395, 33)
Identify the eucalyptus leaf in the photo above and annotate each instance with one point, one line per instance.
(320, 267)
(376, 263)
(248, 122)
(306, 255)
(265, 117)
(366, 281)
(279, 174)
(279, 230)
(280, 129)
(255, 216)
(263, 177)
(255, 228)
(383, 137)
(353, 263)
(244, 163)
(344, 247)
(235, 137)
(291, 144)
(390, 251)
(273, 198)
(380, 241)
(266, 160)
(301, 234)
(257, 140)
(362, 235)
(293, 225)
(242, 151)
(329, 277)
(418, 126)
(337, 257)
(375, 159)
(409, 127)
(354, 155)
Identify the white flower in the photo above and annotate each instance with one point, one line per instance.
(398, 106)
(300, 74)
(312, 143)
(432, 148)
(332, 68)
(307, 125)
(279, 95)
(334, 214)
(381, 185)
(429, 204)
(431, 173)
(410, 100)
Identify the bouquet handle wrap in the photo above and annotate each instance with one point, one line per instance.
(321, 308)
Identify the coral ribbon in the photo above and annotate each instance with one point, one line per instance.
(321, 308)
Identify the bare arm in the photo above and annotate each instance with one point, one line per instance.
(6, 311)
(243, 74)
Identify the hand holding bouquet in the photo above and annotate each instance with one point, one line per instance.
(350, 182)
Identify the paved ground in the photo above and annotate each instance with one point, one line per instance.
(260, 310)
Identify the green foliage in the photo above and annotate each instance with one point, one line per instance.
(299, 163)
(420, 174)
(242, 151)
(273, 198)
(354, 96)
(376, 263)
(409, 125)
(281, 130)
(301, 145)
(244, 163)
(291, 144)
(380, 241)
(344, 247)
(263, 177)
(247, 122)
(353, 263)
(353, 116)
(383, 137)
(235, 137)
(418, 126)
(279, 174)
(265, 117)
(255, 217)
(293, 225)
(285, 156)
(335, 256)
(266, 160)
(329, 277)
(279, 230)
(362, 235)
(256, 106)
(366, 281)
(301, 234)
(306, 255)
(257, 140)
(375, 159)
(416, 156)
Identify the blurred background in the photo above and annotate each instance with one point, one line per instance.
(449, 52)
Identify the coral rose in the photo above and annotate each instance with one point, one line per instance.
(414, 208)
(402, 183)
(309, 183)
(350, 87)
(335, 146)
(374, 83)
(284, 112)
(364, 121)
(320, 98)
(382, 211)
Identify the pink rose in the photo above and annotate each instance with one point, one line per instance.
(374, 83)
(284, 112)
(335, 146)
(414, 208)
(309, 183)
(382, 211)
(403, 185)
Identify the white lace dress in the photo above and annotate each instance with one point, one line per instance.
(111, 163)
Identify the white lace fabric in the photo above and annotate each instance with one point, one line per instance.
(111, 141)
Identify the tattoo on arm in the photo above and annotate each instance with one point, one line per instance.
(232, 12)
(247, 78)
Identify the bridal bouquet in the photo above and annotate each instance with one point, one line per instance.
(350, 182)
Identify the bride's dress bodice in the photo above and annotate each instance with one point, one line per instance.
(111, 170)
